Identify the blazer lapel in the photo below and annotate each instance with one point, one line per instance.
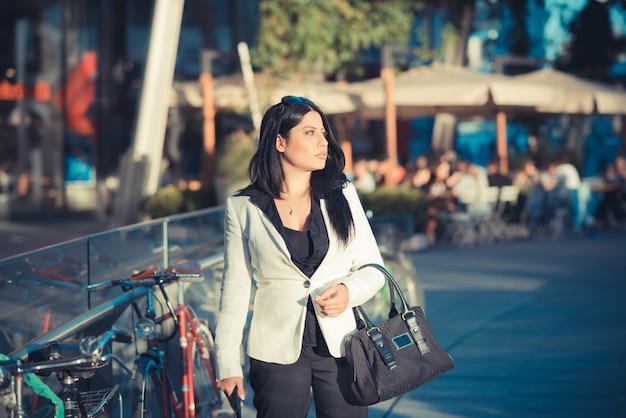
(272, 232)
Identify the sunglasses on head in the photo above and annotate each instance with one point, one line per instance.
(295, 100)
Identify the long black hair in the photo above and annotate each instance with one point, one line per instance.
(266, 172)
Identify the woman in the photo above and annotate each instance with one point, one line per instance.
(299, 233)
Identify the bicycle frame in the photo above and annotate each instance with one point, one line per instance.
(170, 399)
(187, 332)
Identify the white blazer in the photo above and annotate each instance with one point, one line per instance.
(255, 252)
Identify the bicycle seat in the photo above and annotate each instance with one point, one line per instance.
(66, 350)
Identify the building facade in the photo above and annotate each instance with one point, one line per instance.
(70, 79)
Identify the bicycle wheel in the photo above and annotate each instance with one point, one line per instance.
(148, 400)
(206, 394)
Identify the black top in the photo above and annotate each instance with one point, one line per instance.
(307, 249)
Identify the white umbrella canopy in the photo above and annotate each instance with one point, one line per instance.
(334, 98)
(442, 88)
(578, 96)
(230, 93)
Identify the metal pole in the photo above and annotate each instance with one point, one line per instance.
(155, 93)
(208, 107)
(141, 167)
(23, 149)
(248, 78)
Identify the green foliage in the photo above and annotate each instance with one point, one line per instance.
(299, 37)
(166, 201)
(171, 200)
(199, 199)
(592, 50)
(234, 158)
(396, 200)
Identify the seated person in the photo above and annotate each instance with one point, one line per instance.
(469, 184)
(440, 197)
(496, 179)
(610, 209)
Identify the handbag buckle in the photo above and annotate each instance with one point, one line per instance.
(385, 353)
(421, 341)
(372, 330)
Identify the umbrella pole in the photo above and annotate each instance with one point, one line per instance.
(346, 143)
(386, 74)
(501, 142)
(208, 109)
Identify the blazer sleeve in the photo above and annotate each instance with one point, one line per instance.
(235, 293)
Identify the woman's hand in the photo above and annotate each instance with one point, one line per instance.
(334, 300)
(229, 384)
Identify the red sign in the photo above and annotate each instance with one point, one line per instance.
(18, 91)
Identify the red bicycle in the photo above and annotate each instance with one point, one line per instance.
(154, 394)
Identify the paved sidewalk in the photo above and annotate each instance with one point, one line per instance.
(537, 329)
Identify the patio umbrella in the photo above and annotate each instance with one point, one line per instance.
(442, 88)
(230, 92)
(578, 96)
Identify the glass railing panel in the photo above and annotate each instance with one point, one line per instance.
(122, 252)
(200, 238)
(196, 236)
(41, 290)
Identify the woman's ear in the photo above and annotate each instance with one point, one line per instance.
(280, 143)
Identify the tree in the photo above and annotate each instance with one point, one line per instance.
(299, 38)
(592, 49)
(461, 15)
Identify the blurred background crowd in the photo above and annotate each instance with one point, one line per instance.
(551, 198)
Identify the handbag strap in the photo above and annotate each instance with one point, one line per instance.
(393, 286)
(407, 315)
(362, 320)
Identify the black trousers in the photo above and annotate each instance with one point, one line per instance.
(283, 391)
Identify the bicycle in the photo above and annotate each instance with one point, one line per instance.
(154, 394)
(72, 362)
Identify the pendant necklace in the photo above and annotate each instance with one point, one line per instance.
(291, 208)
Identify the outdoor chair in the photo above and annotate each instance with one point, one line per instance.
(469, 225)
(501, 228)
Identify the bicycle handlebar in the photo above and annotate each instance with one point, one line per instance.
(183, 270)
(91, 355)
(94, 346)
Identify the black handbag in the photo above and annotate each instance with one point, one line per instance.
(395, 356)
